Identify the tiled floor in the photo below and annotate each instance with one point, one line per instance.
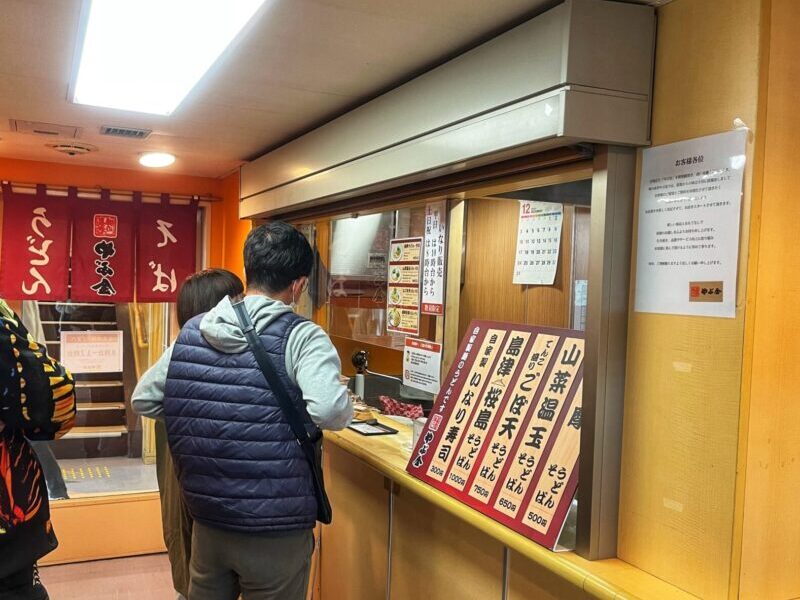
(138, 578)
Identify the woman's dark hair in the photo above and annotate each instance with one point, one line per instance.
(275, 255)
(202, 291)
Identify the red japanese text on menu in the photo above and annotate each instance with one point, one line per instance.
(504, 434)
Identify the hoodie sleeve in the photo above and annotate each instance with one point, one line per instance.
(313, 363)
(148, 396)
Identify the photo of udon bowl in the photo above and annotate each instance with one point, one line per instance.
(394, 317)
(394, 275)
(394, 296)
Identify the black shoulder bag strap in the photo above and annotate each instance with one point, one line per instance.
(311, 445)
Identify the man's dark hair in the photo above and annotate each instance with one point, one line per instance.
(275, 255)
(203, 291)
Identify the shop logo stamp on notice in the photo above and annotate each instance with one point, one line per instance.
(706, 291)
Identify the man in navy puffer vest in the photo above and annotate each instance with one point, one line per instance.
(244, 477)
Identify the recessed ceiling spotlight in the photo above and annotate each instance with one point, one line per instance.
(156, 159)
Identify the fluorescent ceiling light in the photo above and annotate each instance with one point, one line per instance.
(147, 55)
(156, 159)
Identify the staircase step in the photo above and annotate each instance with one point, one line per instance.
(83, 406)
(79, 323)
(100, 431)
(98, 384)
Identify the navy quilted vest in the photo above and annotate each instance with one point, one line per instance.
(238, 463)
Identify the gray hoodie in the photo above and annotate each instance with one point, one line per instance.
(311, 362)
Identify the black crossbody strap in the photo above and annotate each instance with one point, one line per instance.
(308, 443)
(273, 379)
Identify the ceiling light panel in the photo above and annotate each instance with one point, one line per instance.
(147, 55)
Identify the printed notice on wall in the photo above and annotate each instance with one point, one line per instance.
(538, 242)
(433, 266)
(402, 296)
(580, 303)
(92, 351)
(422, 361)
(689, 211)
(504, 434)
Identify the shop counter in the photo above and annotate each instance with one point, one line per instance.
(424, 543)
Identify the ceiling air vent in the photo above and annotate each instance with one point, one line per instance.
(46, 129)
(130, 133)
(73, 149)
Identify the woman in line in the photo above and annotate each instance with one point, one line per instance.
(199, 293)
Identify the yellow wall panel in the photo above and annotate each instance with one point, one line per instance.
(354, 556)
(770, 548)
(437, 555)
(106, 527)
(684, 374)
(529, 581)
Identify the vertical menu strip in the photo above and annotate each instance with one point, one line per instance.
(475, 381)
(486, 408)
(403, 293)
(556, 471)
(530, 450)
(513, 419)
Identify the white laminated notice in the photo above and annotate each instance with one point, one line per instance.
(688, 239)
(92, 351)
(421, 365)
(433, 267)
(538, 242)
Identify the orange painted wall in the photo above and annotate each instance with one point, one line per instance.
(226, 232)
(29, 171)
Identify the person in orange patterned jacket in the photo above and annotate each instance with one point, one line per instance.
(37, 402)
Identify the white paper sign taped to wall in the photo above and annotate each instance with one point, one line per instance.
(92, 351)
(422, 362)
(688, 238)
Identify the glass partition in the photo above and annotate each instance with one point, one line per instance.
(358, 271)
(110, 450)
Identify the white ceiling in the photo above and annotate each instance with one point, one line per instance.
(300, 63)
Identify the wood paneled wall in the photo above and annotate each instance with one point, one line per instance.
(489, 292)
(684, 374)
(354, 555)
(770, 528)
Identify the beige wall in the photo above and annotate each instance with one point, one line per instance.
(684, 374)
(770, 531)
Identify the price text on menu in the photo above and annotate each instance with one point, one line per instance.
(504, 434)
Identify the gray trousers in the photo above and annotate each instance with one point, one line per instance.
(225, 564)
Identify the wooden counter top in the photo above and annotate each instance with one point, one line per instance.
(611, 579)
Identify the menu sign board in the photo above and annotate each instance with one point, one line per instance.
(402, 297)
(433, 264)
(504, 434)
